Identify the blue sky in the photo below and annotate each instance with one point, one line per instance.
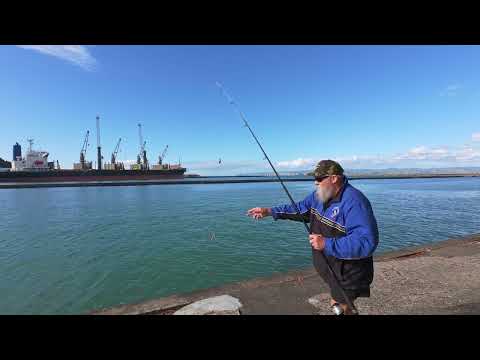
(366, 106)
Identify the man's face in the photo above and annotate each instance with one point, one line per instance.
(325, 188)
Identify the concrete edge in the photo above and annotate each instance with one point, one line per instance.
(424, 249)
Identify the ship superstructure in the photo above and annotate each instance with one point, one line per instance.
(33, 160)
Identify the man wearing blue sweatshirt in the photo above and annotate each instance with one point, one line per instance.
(342, 225)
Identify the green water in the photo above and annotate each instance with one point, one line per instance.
(72, 250)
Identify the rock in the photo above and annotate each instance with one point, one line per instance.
(314, 301)
(319, 300)
(218, 305)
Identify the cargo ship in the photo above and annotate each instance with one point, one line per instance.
(35, 167)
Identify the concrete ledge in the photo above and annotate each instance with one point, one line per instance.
(287, 293)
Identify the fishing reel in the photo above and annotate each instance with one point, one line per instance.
(337, 309)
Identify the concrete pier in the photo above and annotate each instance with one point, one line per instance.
(439, 278)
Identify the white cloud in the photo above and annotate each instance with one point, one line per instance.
(476, 136)
(297, 163)
(425, 153)
(419, 156)
(468, 153)
(451, 90)
(76, 54)
(213, 166)
(440, 155)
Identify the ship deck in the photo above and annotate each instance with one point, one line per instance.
(17, 185)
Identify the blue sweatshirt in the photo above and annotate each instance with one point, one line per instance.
(347, 222)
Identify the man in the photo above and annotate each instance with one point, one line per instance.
(343, 226)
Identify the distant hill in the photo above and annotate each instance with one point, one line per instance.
(413, 171)
(281, 173)
(5, 164)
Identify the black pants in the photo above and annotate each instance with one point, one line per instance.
(355, 276)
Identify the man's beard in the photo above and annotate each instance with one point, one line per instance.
(324, 194)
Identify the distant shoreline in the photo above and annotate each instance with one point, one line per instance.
(218, 180)
(412, 176)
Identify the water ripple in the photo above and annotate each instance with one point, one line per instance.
(70, 250)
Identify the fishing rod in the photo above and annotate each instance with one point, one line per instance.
(337, 283)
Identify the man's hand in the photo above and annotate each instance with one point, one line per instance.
(259, 213)
(317, 241)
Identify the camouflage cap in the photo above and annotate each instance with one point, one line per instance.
(327, 167)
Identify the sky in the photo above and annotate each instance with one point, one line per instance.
(368, 107)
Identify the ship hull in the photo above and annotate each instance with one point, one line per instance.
(90, 175)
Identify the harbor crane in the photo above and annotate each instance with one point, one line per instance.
(114, 155)
(142, 156)
(83, 152)
(162, 156)
(99, 147)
